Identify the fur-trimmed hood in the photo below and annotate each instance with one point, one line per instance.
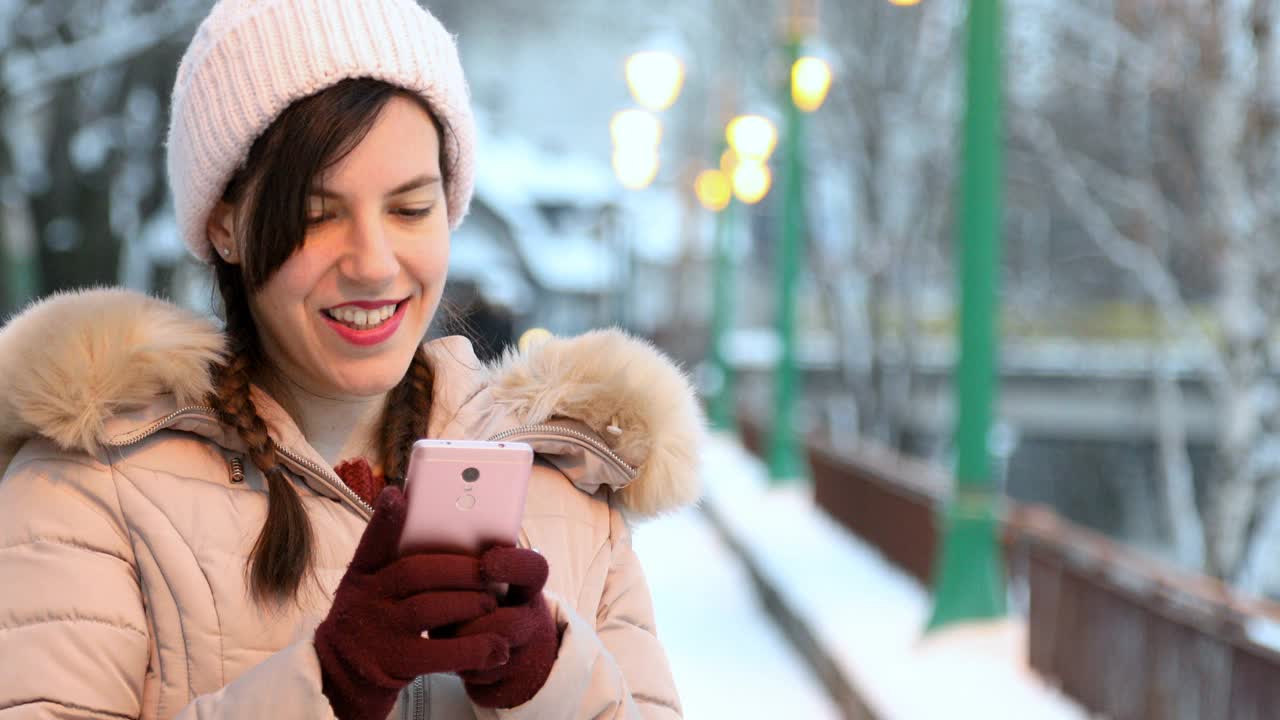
(77, 366)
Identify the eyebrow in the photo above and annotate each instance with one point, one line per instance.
(416, 183)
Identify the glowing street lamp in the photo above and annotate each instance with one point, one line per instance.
(728, 161)
(636, 129)
(635, 167)
(713, 189)
(810, 81)
(752, 137)
(751, 181)
(533, 336)
(655, 79)
(636, 137)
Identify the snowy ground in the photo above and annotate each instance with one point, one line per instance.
(728, 659)
(867, 614)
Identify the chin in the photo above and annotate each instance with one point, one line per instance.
(373, 383)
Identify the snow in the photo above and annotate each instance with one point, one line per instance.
(1263, 631)
(727, 658)
(515, 178)
(476, 254)
(657, 220)
(513, 167)
(566, 263)
(89, 147)
(868, 615)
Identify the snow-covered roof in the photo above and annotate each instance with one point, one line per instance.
(560, 262)
(482, 258)
(514, 178)
(513, 166)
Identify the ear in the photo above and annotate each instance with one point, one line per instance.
(221, 232)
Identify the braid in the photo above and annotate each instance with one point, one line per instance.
(405, 418)
(283, 551)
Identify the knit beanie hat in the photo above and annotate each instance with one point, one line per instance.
(250, 59)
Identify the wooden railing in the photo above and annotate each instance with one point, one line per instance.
(1130, 638)
(1124, 635)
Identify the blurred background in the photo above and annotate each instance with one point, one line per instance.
(808, 269)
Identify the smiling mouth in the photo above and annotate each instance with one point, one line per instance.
(361, 318)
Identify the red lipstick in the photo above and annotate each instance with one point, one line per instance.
(373, 336)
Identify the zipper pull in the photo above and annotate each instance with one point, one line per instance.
(237, 470)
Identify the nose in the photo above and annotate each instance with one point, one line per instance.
(370, 258)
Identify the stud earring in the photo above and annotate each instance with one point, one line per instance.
(226, 251)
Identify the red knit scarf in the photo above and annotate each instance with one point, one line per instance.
(360, 477)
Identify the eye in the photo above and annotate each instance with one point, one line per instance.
(318, 211)
(414, 213)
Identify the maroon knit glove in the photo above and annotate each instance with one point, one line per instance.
(524, 620)
(370, 645)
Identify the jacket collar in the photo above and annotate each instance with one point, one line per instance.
(97, 368)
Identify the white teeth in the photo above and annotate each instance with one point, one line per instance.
(362, 318)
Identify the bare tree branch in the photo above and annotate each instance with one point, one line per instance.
(1146, 268)
(24, 72)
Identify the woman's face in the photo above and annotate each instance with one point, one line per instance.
(344, 314)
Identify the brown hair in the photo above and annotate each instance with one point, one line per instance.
(310, 136)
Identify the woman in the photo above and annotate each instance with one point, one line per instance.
(201, 522)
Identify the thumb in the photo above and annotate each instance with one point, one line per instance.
(380, 543)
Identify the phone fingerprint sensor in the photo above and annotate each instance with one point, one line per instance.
(466, 502)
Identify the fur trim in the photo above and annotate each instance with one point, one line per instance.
(71, 361)
(604, 378)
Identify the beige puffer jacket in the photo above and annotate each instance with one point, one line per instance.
(123, 538)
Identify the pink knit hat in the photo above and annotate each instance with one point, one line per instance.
(251, 58)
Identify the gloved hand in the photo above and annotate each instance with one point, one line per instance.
(524, 620)
(370, 644)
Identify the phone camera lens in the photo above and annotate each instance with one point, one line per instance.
(471, 474)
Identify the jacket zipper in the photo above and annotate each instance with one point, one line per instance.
(162, 423)
(420, 698)
(591, 443)
(322, 475)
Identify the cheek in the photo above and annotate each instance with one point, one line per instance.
(430, 261)
(440, 258)
(293, 283)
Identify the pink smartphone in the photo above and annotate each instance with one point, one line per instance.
(465, 496)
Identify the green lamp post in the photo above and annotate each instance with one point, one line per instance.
(969, 577)
(716, 195)
(809, 81)
(743, 179)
